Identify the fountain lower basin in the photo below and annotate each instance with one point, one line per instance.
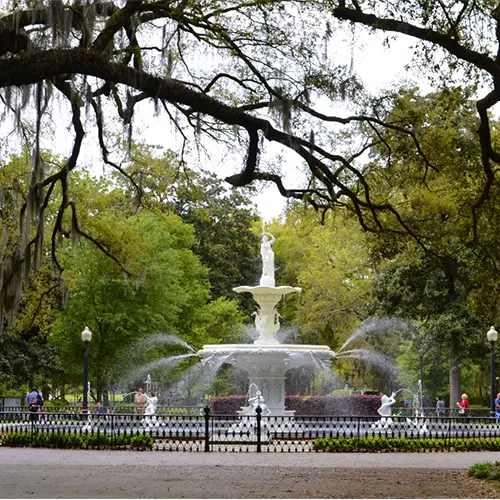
(267, 365)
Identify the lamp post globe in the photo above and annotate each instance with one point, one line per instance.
(86, 337)
(492, 337)
(86, 334)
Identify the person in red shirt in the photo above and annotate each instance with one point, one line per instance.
(464, 405)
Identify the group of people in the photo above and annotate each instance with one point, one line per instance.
(35, 405)
(145, 404)
(463, 406)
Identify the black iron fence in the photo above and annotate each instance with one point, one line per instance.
(208, 432)
(113, 408)
(129, 408)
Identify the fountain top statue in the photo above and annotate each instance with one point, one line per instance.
(267, 253)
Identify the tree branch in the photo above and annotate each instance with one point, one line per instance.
(481, 61)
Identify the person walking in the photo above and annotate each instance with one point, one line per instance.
(440, 407)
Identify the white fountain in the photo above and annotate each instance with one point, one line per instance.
(266, 360)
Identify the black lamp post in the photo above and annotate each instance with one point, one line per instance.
(86, 337)
(492, 336)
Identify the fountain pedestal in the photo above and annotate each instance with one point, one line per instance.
(267, 321)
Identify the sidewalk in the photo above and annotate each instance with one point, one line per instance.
(48, 473)
(20, 457)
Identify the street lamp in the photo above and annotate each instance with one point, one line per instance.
(86, 337)
(492, 338)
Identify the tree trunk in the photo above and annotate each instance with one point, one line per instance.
(105, 395)
(455, 373)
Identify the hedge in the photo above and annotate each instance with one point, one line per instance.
(402, 444)
(352, 405)
(68, 440)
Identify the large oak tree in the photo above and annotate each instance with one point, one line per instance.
(242, 73)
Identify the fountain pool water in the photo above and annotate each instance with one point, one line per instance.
(266, 360)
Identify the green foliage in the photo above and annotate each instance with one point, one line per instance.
(138, 276)
(375, 444)
(434, 281)
(164, 288)
(222, 218)
(27, 360)
(38, 439)
(329, 262)
(482, 470)
(156, 285)
(219, 321)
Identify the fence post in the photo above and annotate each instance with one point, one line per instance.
(449, 431)
(113, 437)
(258, 410)
(206, 412)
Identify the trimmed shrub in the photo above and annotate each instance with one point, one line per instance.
(402, 444)
(350, 405)
(67, 440)
(228, 405)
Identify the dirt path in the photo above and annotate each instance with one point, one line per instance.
(41, 473)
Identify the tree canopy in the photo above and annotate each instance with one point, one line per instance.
(242, 73)
(238, 76)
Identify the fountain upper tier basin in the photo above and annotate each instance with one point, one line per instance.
(268, 290)
(261, 359)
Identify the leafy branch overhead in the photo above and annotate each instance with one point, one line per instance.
(243, 74)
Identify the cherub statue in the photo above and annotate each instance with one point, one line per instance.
(258, 400)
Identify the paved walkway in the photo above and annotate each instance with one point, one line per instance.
(48, 473)
(26, 457)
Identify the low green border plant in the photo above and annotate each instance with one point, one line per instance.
(85, 441)
(402, 444)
